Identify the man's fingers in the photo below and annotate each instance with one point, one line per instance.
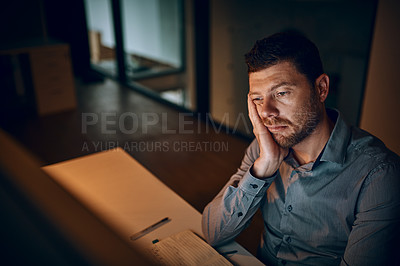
(253, 114)
(255, 119)
(262, 134)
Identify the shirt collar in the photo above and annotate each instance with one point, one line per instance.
(336, 147)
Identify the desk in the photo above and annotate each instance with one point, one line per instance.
(128, 198)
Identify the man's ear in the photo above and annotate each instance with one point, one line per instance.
(322, 87)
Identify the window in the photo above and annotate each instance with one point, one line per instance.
(153, 44)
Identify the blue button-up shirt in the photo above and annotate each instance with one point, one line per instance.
(344, 208)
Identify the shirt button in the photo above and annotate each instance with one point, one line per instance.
(254, 185)
(289, 239)
(240, 214)
(289, 208)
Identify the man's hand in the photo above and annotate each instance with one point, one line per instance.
(271, 154)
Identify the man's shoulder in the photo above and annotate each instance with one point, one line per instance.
(371, 149)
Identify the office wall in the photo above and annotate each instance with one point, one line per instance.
(341, 29)
(381, 108)
(20, 20)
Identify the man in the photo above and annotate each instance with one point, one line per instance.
(329, 193)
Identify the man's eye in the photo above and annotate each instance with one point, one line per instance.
(282, 93)
(257, 99)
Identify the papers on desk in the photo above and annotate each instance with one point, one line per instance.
(185, 248)
(128, 198)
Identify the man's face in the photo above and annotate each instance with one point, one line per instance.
(286, 102)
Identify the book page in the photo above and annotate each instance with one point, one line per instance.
(186, 248)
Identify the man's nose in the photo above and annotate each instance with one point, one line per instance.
(269, 109)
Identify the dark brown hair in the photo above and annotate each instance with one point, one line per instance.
(286, 46)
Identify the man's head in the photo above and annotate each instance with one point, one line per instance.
(288, 86)
(282, 47)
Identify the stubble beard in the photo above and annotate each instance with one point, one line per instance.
(303, 124)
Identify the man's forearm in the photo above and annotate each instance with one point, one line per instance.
(232, 209)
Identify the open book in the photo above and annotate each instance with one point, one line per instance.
(185, 248)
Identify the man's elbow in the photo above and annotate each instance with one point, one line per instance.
(212, 233)
(205, 226)
(214, 240)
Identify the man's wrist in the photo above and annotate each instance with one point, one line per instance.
(263, 175)
(261, 170)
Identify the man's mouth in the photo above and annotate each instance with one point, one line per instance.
(276, 129)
